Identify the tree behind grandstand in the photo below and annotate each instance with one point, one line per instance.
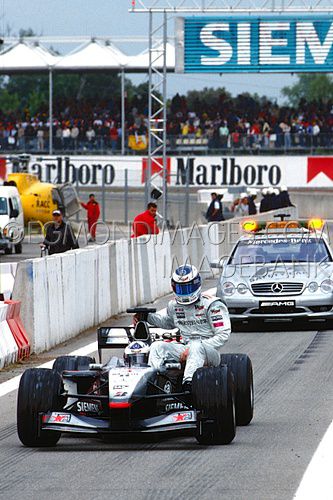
(311, 88)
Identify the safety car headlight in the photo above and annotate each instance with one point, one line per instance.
(228, 288)
(313, 287)
(242, 288)
(327, 286)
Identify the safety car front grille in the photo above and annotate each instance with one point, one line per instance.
(277, 288)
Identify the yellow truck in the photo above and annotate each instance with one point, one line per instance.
(39, 199)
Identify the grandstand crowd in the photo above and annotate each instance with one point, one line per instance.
(235, 123)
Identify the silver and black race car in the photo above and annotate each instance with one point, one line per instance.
(127, 396)
(279, 271)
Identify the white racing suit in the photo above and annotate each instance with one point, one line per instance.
(204, 326)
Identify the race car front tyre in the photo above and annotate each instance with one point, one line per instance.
(72, 363)
(241, 367)
(39, 392)
(214, 398)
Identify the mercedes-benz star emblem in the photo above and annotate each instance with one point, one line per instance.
(277, 288)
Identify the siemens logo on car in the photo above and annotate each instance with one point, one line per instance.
(284, 43)
(88, 407)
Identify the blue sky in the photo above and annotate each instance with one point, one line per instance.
(111, 17)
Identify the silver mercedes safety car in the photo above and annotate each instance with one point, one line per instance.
(278, 271)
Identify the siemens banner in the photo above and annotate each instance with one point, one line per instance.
(246, 44)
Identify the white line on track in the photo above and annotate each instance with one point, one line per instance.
(317, 482)
(13, 383)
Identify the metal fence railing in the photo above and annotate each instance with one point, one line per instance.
(301, 142)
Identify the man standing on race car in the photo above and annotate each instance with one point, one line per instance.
(203, 322)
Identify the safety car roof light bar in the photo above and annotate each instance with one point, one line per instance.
(253, 226)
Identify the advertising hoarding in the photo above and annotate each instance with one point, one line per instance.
(244, 44)
(201, 171)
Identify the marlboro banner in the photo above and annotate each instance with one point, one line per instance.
(198, 171)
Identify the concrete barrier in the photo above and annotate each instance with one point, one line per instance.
(69, 282)
(123, 277)
(103, 294)
(163, 263)
(65, 294)
(7, 278)
(113, 278)
(8, 346)
(313, 202)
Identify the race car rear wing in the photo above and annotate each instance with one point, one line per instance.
(113, 337)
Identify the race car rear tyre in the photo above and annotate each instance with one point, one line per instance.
(214, 398)
(72, 363)
(39, 392)
(241, 367)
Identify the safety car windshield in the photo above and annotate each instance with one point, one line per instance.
(3, 206)
(273, 250)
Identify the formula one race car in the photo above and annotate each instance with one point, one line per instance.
(127, 396)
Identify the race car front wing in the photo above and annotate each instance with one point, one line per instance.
(68, 422)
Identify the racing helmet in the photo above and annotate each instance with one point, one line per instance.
(136, 353)
(186, 284)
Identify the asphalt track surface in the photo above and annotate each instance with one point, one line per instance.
(293, 375)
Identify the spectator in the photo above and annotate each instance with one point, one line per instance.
(215, 210)
(315, 133)
(224, 134)
(266, 129)
(265, 201)
(20, 136)
(66, 137)
(284, 198)
(251, 202)
(40, 139)
(30, 136)
(59, 235)
(90, 135)
(93, 213)
(114, 137)
(58, 141)
(145, 223)
(74, 137)
(275, 199)
(241, 206)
